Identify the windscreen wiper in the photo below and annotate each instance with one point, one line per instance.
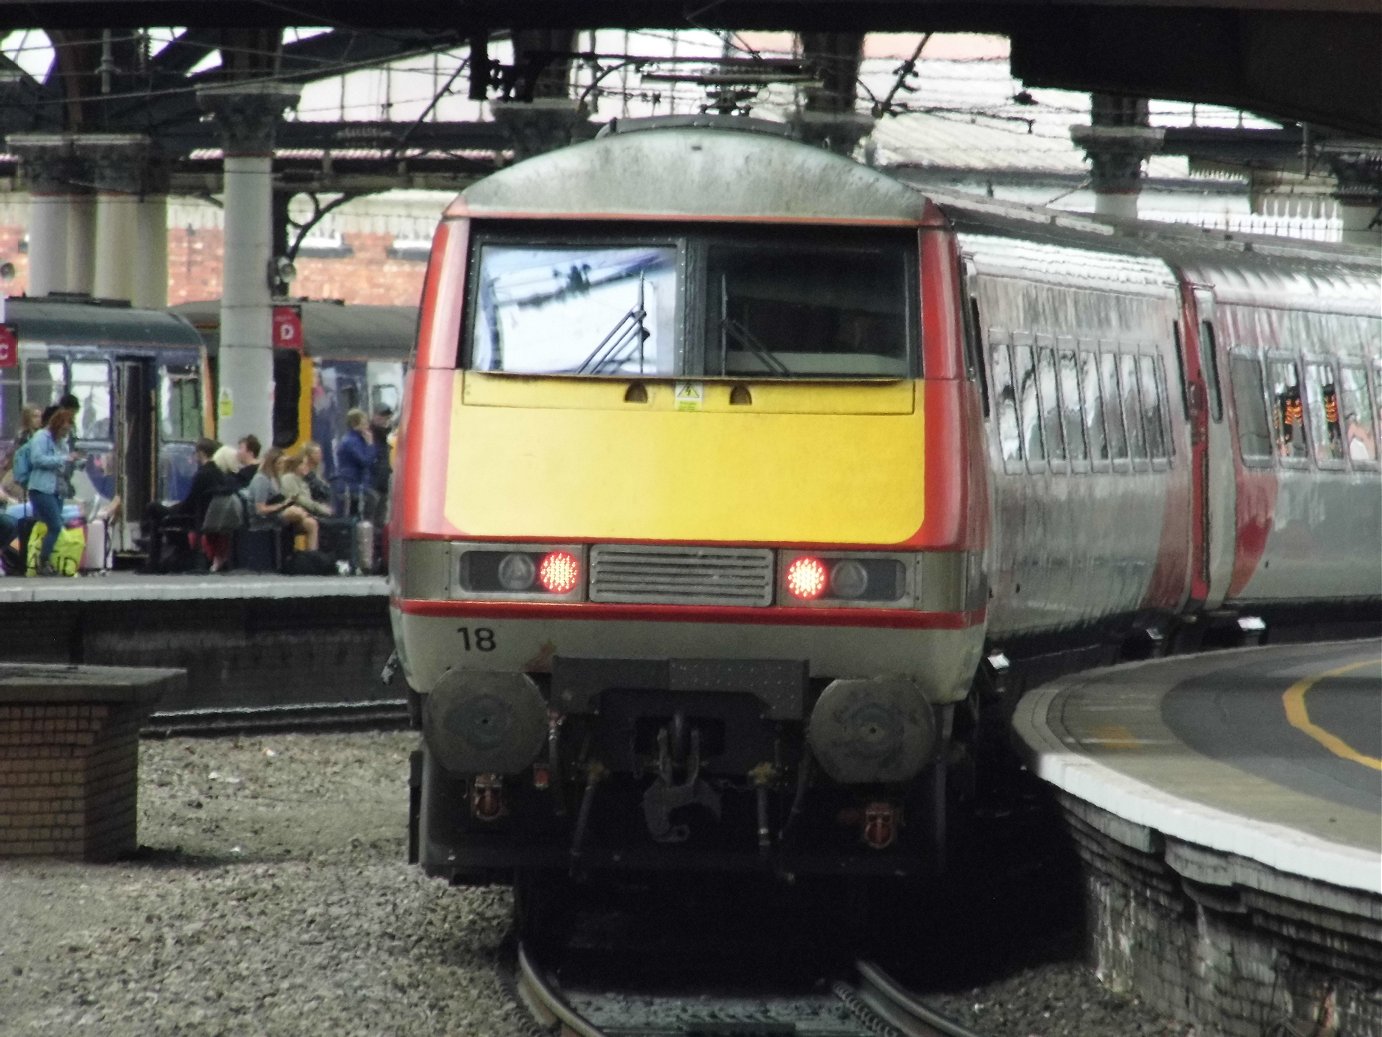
(745, 338)
(629, 333)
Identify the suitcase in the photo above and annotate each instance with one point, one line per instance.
(96, 554)
(364, 546)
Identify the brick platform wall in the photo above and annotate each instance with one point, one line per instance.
(1235, 960)
(69, 780)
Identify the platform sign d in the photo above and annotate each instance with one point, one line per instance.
(287, 321)
(9, 346)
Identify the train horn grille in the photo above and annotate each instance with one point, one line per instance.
(628, 574)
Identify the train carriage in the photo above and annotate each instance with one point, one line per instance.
(721, 511)
(138, 375)
(337, 357)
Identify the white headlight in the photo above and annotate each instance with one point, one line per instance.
(848, 579)
(516, 572)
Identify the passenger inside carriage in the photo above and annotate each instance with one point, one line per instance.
(1361, 445)
(1290, 423)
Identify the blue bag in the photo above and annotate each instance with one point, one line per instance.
(22, 467)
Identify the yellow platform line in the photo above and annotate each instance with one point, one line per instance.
(1299, 717)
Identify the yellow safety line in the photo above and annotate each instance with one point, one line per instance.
(1299, 717)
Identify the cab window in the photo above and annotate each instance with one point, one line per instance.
(574, 309)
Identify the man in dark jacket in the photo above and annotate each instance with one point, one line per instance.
(355, 456)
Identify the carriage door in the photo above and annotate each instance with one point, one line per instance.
(1217, 483)
(136, 459)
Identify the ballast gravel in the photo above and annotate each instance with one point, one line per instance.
(271, 896)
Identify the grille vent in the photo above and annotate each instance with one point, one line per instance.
(622, 573)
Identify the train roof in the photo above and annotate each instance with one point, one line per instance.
(718, 168)
(80, 320)
(331, 330)
(1242, 268)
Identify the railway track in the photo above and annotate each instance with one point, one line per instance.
(387, 714)
(867, 1004)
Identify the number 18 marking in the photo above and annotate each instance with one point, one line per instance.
(481, 639)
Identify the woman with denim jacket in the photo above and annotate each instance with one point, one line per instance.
(50, 454)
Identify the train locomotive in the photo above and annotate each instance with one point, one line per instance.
(740, 487)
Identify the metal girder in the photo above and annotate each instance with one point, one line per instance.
(1291, 65)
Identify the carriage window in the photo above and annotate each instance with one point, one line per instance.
(1009, 429)
(44, 381)
(179, 403)
(1132, 407)
(807, 311)
(1050, 404)
(1209, 362)
(1254, 434)
(1288, 413)
(1355, 404)
(590, 310)
(1152, 406)
(1322, 406)
(1070, 406)
(1093, 406)
(1113, 408)
(384, 397)
(10, 404)
(91, 384)
(1028, 407)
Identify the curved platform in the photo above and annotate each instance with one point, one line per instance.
(1227, 811)
(1272, 754)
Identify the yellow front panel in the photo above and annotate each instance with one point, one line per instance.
(800, 462)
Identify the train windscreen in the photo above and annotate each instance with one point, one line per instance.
(782, 304)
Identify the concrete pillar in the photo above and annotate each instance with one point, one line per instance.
(117, 161)
(56, 184)
(81, 241)
(248, 115)
(1116, 142)
(150, 286)
(1359, 177)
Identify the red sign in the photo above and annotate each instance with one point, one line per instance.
(287, 327)
(9, 346)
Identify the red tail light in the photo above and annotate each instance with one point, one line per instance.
(559, 572)
(807, 578)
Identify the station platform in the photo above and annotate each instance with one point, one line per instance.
(118, 586)
(1227, 810)
(1273, 754)
(252, 644)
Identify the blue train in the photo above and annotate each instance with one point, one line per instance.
(146, 381)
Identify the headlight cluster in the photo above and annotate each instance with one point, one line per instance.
(833, 580)
(522, 572)
(825, 579)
